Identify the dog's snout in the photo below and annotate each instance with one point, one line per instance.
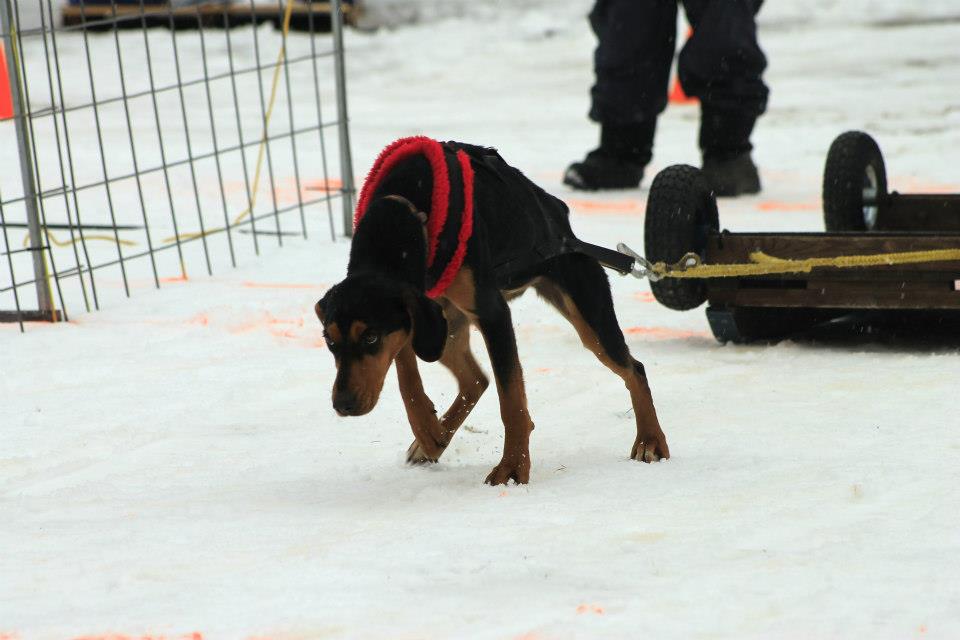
(344, 403)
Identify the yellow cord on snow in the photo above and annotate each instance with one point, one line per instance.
(762, 264)
(68, 243)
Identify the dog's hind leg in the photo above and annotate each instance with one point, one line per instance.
(578, 287)
(471, 381)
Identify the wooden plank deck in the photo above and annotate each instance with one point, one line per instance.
(931, 285)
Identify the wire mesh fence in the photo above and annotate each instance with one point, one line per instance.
(141, 152)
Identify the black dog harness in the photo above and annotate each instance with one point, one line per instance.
(537, 221)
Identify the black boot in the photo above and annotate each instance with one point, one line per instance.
(725, 142)
(733, 177)
(619, 161)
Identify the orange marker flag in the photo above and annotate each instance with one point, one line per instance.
(676, 95)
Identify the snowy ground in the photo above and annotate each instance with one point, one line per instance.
(172, 466)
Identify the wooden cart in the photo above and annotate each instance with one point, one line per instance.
(861, 217)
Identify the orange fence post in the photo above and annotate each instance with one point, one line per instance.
(6, 100)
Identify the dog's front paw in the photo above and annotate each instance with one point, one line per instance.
(650, 448)
(507, 470)
(418, 454)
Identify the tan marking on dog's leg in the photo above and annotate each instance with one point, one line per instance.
(515, 464)
(471, 381)
(420, 410)
(650, 444)
(517, 424)
(457, 357)
(459, 296)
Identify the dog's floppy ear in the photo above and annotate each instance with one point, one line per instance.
(429, 327)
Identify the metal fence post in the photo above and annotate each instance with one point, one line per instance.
(346, 161)
(10, 40)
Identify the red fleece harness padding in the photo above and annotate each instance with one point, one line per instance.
(439, 199)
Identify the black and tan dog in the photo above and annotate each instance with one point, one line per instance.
(445, 235)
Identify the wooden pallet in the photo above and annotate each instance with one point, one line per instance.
(130, 16)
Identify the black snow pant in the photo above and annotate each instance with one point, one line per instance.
(721, 65)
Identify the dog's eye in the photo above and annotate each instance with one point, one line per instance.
(371, 338)
(330, 343)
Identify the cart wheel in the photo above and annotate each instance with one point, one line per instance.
(854, 183)
(681, 213)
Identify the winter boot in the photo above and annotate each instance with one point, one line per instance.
(725, 142)
(619, 161)
(733, 177)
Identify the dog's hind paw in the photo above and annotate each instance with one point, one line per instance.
(650, 449)
(506, 471)
(417, 455)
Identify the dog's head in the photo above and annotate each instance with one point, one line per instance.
(367, 319)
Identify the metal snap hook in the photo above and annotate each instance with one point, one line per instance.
(642, 267)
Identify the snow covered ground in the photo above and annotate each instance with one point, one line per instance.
(171, 465)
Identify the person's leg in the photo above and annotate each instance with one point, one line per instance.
(635, 45)
(722, 65)
(636, 40)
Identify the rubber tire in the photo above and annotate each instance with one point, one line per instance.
(681, 214)
(847, 161)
